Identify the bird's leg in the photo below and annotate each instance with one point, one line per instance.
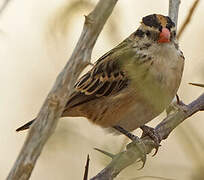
(136, 140)
(149, 131)
(126, 133)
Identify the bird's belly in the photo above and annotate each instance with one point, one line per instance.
(144, 109)
(130, 110)
(138, 115)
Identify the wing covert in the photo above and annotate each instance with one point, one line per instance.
(104, 79)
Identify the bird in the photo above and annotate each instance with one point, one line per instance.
(132, 83)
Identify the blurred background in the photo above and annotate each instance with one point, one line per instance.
(36, 39)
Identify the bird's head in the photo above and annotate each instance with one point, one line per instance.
(157, 28)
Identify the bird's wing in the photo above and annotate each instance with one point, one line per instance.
(106, 78)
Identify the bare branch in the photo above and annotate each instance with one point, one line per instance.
(188, 18)
(131, 154)
(54, 104)
(174, 10)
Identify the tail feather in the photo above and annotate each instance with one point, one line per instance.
(25, 126)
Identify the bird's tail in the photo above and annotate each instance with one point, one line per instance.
(25, 126)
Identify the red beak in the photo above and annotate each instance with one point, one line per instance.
(164, 36)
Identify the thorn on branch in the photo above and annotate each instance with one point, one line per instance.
(179, 101)
(105, 152)
(86, 168)
(88, 20)
(197, 84)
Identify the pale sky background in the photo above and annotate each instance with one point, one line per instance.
(34, 47)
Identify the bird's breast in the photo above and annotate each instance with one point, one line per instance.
(154, 84)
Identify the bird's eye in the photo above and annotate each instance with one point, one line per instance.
(139, 33)
(147, 33)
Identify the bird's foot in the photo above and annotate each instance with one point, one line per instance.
(136, 141)
(149, 131)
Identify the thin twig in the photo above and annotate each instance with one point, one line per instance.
(51, 111)
(188, 18)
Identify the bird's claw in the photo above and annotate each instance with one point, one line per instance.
(149, 131)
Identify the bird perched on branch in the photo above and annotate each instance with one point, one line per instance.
(132, 83)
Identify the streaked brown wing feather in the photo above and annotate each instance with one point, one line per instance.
(105, 79)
